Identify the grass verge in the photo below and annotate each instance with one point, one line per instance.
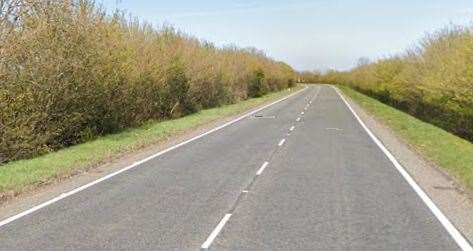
(19, 176)
(451, 153)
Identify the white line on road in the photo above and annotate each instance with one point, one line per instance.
(298, 119)
(281, 142)
(106, 177)
(302, 113)
(454, 233)
(215, 232)
(261, 169)
(292, 128)
(244, 191)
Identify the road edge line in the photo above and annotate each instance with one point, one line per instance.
(460, 240)
(137, 163)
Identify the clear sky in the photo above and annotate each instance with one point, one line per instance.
(317, 34)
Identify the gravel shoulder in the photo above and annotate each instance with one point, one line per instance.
(450, 197)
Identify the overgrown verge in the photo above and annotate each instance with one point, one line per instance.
(433, 82)
(69, 73)
(451, 153)
(22, 175)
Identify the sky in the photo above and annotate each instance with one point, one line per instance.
(308, 35)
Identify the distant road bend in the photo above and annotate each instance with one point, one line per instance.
(304, 174)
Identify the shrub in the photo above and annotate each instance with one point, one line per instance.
(69, 73)
(433, 82)
(257, 86)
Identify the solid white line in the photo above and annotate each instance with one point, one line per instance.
(454, 233)
(281, 142)
(298, 119)
(261, 169)
(76, 190)
(292, 128)
(215, 232)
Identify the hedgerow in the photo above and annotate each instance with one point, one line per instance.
(69, 73)
(433, 81)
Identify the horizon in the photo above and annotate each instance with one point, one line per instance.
(310, 35)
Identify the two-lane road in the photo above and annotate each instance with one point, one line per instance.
(304, 175)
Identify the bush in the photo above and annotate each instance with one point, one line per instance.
(257, 86)
(69, 73)
(433, 82)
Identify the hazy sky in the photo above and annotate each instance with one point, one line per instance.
(317, 34)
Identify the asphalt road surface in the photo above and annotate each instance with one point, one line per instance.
(301, 175)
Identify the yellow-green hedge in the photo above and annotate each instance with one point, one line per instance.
(69, 72)
(433, 82)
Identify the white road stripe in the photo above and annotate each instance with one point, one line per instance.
(302, 113)
(261, 169)
(281, 142)
(454, 233)
(292, 128)
(106, 177)
(215, 232)
(244, 191)
(298, 119)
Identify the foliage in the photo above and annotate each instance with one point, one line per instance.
(433, 82)
(69, 72)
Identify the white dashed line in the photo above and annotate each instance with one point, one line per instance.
(261, 169)
(244, 191)
(137, 163)
(281, 142)
(298, 119)
(215, 232)
(292, 128)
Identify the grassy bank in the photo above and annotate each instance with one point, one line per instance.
(451, 153)
(21, 175)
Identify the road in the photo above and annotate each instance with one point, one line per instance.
(301, 175)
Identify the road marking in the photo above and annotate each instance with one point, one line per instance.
(292, 128)
(106, 177)
(334, 128)
(298, 119)
(215, 232)
(302, 113)
(261, 169)
(244, 191)
(454, 233)
(281, 142)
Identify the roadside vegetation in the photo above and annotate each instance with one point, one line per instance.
(451, 153)
(19, 176)
(433, 82)
(70, 73)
